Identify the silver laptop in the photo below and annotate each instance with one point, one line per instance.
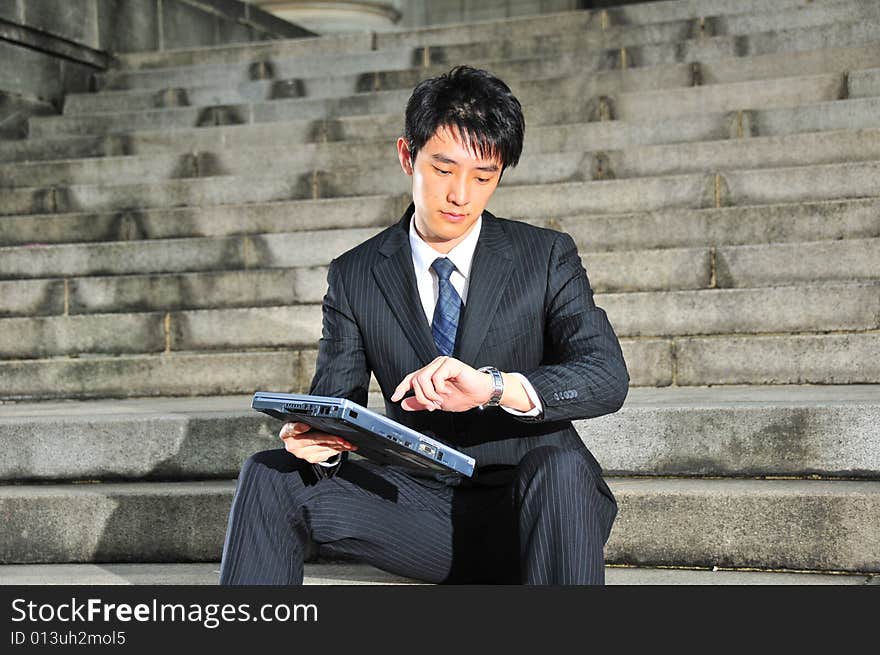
(376, 437)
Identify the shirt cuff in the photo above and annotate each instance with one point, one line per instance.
(330, 463)
(538, 408)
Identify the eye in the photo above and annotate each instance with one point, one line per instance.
(483, 180)
(441, 171)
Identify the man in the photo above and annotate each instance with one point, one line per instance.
(424, 305)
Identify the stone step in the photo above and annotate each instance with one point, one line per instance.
(406, 54)
(645, 12)
(550, 149)
(683, 49)
(753, 33)
(292, 249)
(786, 524)
(834, 358)
(115, 522)
(195, 221)
(534, 180)
(759, 431)
(667, 269)
(799, 221)
(179, 374)
(725, 523)
(566, 64)
(847, 114)
(549, 101)
(478, 30)
(343, 573)
(803, 309)
(226, 90)
(327, 45)
(610, 270)
(751, 431)
(853, 307)
(727, 226)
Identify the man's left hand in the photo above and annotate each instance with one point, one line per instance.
(446, 383)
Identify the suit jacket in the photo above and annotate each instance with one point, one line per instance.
(529, 309)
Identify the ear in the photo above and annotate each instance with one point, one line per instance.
(403, 155)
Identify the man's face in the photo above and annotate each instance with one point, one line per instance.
(451, 187)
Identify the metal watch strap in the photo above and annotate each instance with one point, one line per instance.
(497, 386)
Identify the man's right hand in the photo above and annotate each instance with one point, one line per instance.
(313, 446)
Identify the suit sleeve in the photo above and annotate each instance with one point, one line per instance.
(583, 374)
(341, 370)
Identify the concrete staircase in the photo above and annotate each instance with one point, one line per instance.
(164, 243)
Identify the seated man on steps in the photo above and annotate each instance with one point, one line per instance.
(480, 331)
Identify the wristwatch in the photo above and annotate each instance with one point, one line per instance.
(497, 386)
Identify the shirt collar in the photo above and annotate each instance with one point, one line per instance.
(462, 255)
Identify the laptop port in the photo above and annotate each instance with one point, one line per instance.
(428, 449)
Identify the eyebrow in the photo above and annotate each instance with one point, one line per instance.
(443, 159)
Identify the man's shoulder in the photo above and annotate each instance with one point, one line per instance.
(528, 233)
(368, 250)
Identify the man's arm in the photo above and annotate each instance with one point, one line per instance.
(341, 370)
(586, 374)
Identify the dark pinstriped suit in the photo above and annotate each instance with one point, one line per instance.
(538, 510)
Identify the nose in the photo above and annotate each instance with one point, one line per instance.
(458, 192)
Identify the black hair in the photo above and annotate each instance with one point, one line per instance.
(481, 107)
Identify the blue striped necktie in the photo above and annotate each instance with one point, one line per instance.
(445, 322)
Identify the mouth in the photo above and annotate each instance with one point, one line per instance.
(450, 216)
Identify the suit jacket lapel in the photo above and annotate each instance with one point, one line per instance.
(490, 272)
(396, 279)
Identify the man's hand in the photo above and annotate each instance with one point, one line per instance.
(447, 384)
(313, 446)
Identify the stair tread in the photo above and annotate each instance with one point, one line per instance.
(345, 573)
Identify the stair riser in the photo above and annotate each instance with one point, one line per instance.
(732, 188)
(685, 361)
(730, 524)
(769, 526)
(792, 309)
(544, 102)
(540, 160)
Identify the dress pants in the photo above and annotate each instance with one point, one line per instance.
(548, 525)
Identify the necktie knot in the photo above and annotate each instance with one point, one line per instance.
(443, 267)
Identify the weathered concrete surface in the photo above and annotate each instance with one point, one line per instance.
(222, 220)
(850, 259)
(829, 431)
(339, 573)
(125, 522)
(787, 359)
(746, 431)
(813, 525)
(544, 159)
(180, 374)
(790, 524)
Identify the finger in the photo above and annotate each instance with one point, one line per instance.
(293, 427)
(328, 441)
(426, 379)
(412, 404)
(420, 396)
(315, 454)
(426, 384)
(403, 387)
(446, 371)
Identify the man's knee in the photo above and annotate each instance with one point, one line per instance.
(558, 473)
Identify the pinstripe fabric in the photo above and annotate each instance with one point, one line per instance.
(537, 510)
(547, 526)
(447, 310)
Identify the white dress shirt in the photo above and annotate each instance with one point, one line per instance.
(462, 256)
